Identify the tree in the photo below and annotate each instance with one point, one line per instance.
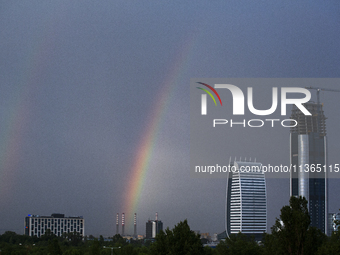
(48, 235)
(72, 252)
(332, 244)
(128, 250)
(9, 237)
(272, 245)
(315, 238)
(101, 240)
(291, 233)
(53, 247)
(239, 244)
(180, 240)
(118, 240)
(95, 247)
(161, 246)
(74, 238)
(210, 251)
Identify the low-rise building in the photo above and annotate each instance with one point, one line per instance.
(58, 224)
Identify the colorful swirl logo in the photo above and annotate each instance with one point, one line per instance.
(209, 93)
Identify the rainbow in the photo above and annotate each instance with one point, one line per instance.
(148, 140)
(12, 125)
(11, 133)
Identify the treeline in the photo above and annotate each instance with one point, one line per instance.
(291, 234)
(68, 244)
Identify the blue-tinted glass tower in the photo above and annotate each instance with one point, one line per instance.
(308, 147)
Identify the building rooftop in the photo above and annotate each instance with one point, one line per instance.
(54, 215)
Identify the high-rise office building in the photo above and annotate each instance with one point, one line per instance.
(36, 225)
(308, 149)
(246, 200)
(153, 228)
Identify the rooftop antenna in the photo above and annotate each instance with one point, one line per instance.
(255, 160)
(229, 160)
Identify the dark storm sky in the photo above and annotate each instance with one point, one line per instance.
(79, 81)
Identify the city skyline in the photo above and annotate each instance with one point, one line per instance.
(95, 111)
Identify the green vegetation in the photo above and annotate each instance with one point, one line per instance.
(291, 234)
(180, 240)
(238, 245)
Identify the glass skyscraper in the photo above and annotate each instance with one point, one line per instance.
(308, 148)
(246, 200)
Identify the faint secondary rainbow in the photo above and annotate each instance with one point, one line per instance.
(12, 128)
(11, 133)
(148, 140)
(13, 123)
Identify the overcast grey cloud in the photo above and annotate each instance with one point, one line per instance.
(79, 81)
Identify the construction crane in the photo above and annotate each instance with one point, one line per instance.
(321, 89)
(318, 101)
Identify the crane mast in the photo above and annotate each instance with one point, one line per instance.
(318, 102)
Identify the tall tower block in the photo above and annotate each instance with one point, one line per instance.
(246, 200)
(308, 147)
